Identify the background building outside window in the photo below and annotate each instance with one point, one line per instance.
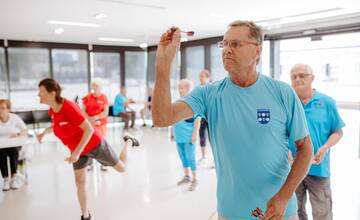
(27, 67)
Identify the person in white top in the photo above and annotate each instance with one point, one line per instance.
(11, 126)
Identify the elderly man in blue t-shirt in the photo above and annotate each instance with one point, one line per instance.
(251, 120)
(325, 128)
(121, 108)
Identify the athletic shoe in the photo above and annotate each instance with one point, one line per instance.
(202, 161)
(6, 186)
(90, 167)
(103, 168)
(185, 179)
(193, 185)
(88, 218)
(15, 183)
(135, 142)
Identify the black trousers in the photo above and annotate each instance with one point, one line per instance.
(204, 128)
(13, 154)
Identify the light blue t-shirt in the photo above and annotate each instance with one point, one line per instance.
(249, 131)
(323, 119)
(183, 131)
(119, 104)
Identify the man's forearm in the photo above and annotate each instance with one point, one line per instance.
(333, 139)
(299, 168)
(161, 102)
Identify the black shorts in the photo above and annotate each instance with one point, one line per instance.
(103, 153)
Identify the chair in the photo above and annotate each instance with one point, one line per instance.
(41, 116)
(27, 117)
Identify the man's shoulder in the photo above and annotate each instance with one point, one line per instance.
(329, 101)
(280, 85)
(216, 84)
(119, 96)
(325, 97)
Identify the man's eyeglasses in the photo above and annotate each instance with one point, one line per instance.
(233, 44)
(301, 76)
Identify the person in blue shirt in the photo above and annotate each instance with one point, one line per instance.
(325, 128)
(251, 120)
(121, 104)
(204, 78)
(185, 134)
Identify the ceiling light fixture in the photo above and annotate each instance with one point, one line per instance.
(70, 23)
(116, 39)
(59, 30)
(143, 45)
(100, 15)
(183, 39)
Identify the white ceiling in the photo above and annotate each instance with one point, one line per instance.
(145, 20)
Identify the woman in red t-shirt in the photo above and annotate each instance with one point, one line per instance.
(96, 109)
(84, 142)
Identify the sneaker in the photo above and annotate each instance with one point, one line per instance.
(88, 218)
(193, 185)
(144, 125)
(185, 179)
(202, 161)
(135, 142)
(103, 168)
(15, 183)
(90, 167)
(6, 186)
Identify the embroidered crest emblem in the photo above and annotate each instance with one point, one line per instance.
(263, 116)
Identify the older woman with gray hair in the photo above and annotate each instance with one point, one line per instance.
(96, 109)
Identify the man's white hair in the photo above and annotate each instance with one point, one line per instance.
(98, 81)
(188, 83)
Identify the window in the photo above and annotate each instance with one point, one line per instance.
(135, 74)
(2, 74)
(71, 71)
(217, 68)
(151, 68)
(107, 67)
(264, 64)
(195, 58)
(334, 60)
(175, 75)
(27, 67)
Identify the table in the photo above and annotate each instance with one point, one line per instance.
(16, 142)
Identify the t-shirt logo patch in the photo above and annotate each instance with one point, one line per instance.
(263, 116)
(63, 123)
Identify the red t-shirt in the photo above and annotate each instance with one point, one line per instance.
(66, 124)
(94, 105)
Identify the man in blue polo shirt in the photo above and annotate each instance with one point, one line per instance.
(325, 128)
(251, 119)
(121, 104)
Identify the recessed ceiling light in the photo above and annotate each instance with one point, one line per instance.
(70, 23)
(59, 30)
(100, 15)
(115, 39)
(143, 45)
(183, 39)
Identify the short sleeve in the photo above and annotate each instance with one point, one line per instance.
(296, 120)
(336, 121)
(197, 101)
(85, 100)
(20, 124)
(73, 113)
